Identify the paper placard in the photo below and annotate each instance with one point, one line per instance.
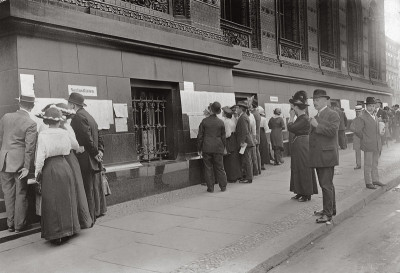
(101, 111)
(345, 104)
(273, 99)
(121, 110)
(27, 82)
(121, 124)
(188, 86)
(87, 91)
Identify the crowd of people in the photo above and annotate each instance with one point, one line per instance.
(236, 147)
(66, 153)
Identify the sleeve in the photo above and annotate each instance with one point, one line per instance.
(1, 131)
(241, 131)
(345, 119)
(40, 155)
(228, 130)
(253, 126)
(84, 134)
(330, 126)
(283, 124)
(358, 127)
(223, 135)
(298, 125)
(30, 145)
(270, 123)
(200, 137)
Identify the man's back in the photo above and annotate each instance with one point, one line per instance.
(18, 135)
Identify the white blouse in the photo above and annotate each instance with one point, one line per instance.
(52, 142)
(230, 126)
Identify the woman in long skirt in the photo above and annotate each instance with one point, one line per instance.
(277, 124)
(85, 219)
(59, 214)
(302, 178)
(264, 145)
(231, 158)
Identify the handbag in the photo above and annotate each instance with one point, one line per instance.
(106, 186)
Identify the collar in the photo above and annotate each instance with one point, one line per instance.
(322, 109)
(372, 115)
(22, 109)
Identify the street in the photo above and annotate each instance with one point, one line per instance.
(368, 242)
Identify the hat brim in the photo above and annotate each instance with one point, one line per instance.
(77, 103)
(31, 101)
(49, 118)
(245, 106)
(323, 96)
(297, 102)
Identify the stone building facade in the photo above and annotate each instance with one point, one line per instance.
(392, 68)
(143, 52)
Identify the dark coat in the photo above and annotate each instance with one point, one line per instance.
(323, 140)
(18, 136)
(87, 135)
(243, 131)
(367, 129)
(382, 115)
(211, 137)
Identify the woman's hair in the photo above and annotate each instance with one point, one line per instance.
(301, 106)
(228, 115)
(277, 111)
(50, 122)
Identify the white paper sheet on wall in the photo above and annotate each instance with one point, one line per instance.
(27, 84)
(188, 86)
(102, 112)
(345, 104)
(121, 110)
(121, 124)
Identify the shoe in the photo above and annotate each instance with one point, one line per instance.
(377, 183)
(246, 181)
(323, 219)
(304, 198)
(263, 168)
(57, 241)
(11, 229)
(320, 213)
(357, 167)
(371, 186)
(278, 163)
(26, 227)
(297, 196)
(282, 161)
(210, 190)
(223, 189)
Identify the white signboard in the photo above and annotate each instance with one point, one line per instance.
(273, 99)
(87, 91)
(27, 81)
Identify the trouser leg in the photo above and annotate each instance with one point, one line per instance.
(258, 157)
(21, 202)
(368, 158)
(254, 161)
(358, 157)
(208, 170)
(88, 177)
(246, 162)
(219, 170)
(8, 187)
(325, 178)
(374, 171)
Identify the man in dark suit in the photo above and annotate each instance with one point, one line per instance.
(367, 129)
(324, 155)
(382, 117)
(396, 123)
(211, 143)
(244, 139)
(342, 126)
(18, 136)
(87, 135)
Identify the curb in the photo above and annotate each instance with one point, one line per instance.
(6, 236)
(348, 209)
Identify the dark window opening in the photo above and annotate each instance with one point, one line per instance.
(352, 31)
(289, 20)
(235, 11)
(326, 22)
(372, 37)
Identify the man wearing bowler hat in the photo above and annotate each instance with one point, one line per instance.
(211, 142)
(368, 132)
(244, 139)
(18, 136)
(324, 155)
(87, 135)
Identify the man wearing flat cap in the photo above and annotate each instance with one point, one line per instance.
(211, 143)
(244, 140)
(368, 132)
(324, 155)
(87, 135)
(18, 136)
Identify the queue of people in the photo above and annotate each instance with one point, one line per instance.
(67, 163)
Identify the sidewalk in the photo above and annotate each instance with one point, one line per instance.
(248, 228)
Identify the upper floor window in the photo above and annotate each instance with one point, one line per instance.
(289, 20)
(373, 36)
(327, 26)
(235, 11)
(353, 31)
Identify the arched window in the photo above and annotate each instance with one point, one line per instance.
(354, 36)
(373, 36)
(235, 11)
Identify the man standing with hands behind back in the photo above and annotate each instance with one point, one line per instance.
(324, 154)
(87, 135)
(18, 135)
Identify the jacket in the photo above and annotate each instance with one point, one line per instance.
(356, 139)
(257, 117)
(87, 135)
(212, 136)
(243, 134)
(367, 129)
(323, 140)
(18, 136)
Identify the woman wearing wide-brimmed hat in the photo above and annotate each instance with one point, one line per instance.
(303, 181)
(59, 214)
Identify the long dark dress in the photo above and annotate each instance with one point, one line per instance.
(264, 148)
(232, 160)
(85, 220)
(276, 125)
(302, 178)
